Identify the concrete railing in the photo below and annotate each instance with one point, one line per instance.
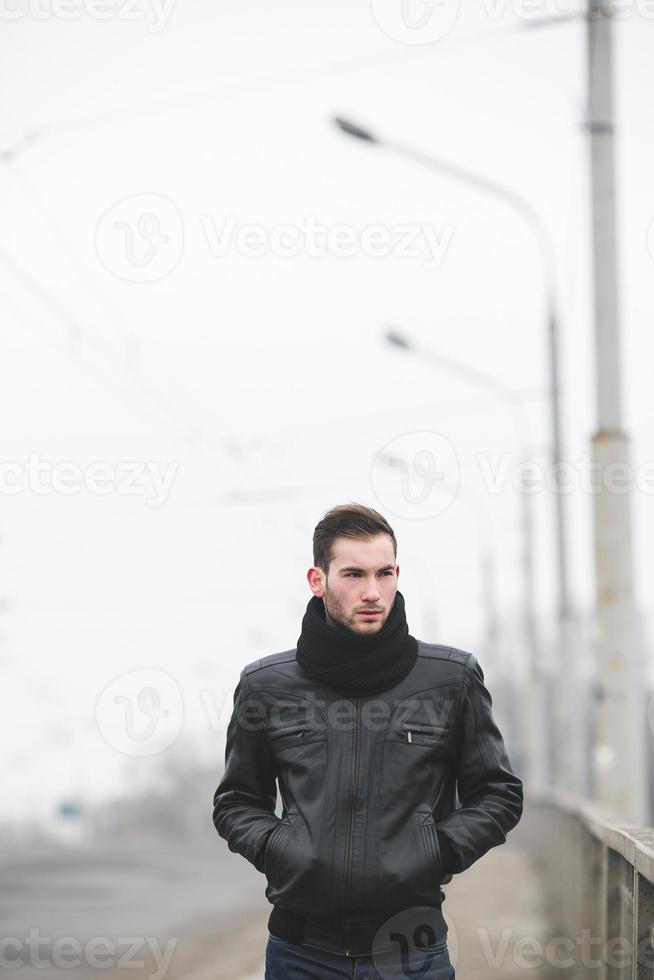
(599, 875)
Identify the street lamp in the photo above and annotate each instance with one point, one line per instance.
(563, 695)
(524, 209)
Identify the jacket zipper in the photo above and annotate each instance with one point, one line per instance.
(422, 730)
(355, 768)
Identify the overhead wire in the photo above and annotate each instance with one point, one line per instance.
(78, 332)
(266, 83)
(193, 438)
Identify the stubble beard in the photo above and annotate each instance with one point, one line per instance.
(334, 610)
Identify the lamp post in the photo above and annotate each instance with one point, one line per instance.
(563, 694)
(530, 216)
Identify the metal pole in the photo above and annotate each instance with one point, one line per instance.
(562, 680)
(619, 774)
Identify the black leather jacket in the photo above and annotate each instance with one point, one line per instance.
(371, 824)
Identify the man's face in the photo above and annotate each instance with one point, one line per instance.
(360, 585)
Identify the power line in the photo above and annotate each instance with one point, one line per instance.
(53, 338)
(114, 316)
(196, 437)
(185, 504)
(79, 335)
(267, 83)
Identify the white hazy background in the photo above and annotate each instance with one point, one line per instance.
(264, 381)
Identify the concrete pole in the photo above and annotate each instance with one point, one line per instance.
(618, 765)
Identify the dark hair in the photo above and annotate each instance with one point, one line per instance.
(347, 521)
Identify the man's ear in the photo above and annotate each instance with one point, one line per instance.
(317, 581)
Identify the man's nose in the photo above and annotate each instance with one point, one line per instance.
(371, 594)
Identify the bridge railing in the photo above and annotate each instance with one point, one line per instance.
(599, 876)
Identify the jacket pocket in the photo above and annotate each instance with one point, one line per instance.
(408, 871)
(296, 733)
(431, 849)
(290, 866)
(274, 842)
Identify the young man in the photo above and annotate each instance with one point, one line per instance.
(370, 733)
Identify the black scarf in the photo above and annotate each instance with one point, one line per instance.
(352, 664)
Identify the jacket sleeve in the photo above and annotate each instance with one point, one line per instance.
(244, 802)
(490, 793)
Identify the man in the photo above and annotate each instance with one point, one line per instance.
(370, 733)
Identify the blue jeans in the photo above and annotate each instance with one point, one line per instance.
(288, 961)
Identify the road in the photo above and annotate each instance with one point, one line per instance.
(92, 911)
